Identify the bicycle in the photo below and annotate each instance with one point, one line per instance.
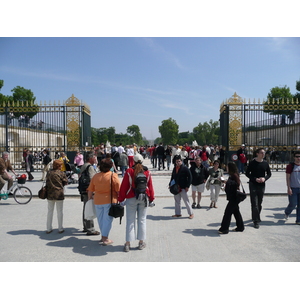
(22, 194)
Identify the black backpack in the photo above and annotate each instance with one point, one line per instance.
(84, 181)
(140, 185)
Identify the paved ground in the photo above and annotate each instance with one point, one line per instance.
(23, 237)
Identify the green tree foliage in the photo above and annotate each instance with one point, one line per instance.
(207, 133)
(297, 95)
(280, 96)
(20, 97)
(101, 135)
(134, 132)
(169, 131)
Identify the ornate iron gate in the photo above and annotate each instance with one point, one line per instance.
(276, 127)
(54, 126)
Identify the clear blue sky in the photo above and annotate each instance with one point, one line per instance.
(143, 81)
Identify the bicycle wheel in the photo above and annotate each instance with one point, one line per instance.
(22, 195)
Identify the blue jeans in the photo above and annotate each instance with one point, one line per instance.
(135, 209)
(294, 200)
(123, 169)
(241, 166)
(104, 220)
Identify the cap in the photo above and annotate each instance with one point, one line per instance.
(138, 158)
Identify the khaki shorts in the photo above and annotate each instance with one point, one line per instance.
(198, 188)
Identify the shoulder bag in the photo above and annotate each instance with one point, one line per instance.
(241, 196)
(42, 193)
(116, 209)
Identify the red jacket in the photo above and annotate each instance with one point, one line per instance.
(127, 185)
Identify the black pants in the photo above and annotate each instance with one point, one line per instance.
(88, 225)
(161, 161)
(256, 197)
(232, 208)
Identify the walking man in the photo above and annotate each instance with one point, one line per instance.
(183, 177)
(293, 187)
(88, 168)
(258, 173)
(199, 175)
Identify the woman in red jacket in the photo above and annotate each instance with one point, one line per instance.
(137, 189)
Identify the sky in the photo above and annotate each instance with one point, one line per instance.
(167, 61)
(143, 81)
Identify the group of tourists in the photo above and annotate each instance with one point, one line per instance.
(105, 188)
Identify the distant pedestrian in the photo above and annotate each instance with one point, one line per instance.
(183, 177)
(123, 162)
(258, 173)
(29, 165)
(46, 163)
(78, 160)
(293, 187)
(242, 158)
(232, 207)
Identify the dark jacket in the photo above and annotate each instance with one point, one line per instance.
(232, 185)
(199, 174)
(183, 177)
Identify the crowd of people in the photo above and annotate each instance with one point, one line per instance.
(198, 167)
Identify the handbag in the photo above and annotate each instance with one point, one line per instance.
(116, 209)
(174, 188)
(241, 196)
(89, 210)
(42, 193)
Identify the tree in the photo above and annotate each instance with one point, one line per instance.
(278, 96)
(134, 132)
(297, 95)
(22, 98)
(169, 131)
(207, 133)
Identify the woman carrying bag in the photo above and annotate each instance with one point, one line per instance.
(100, 190)
(214, 183)
(136, 204)
(232, 208)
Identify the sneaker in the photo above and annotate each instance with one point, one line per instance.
(126, 248)
(142, 246)
(194, 205)
(286, 216)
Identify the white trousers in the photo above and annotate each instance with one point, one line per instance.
(214, 192)
(59, 210)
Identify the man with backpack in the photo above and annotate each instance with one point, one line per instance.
(87, 171)
(293, 187)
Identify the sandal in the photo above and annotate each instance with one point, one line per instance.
(194, 205)
(107, 242)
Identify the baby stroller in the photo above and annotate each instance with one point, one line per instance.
(71, 173)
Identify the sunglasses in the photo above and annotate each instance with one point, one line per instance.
(297, 156)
